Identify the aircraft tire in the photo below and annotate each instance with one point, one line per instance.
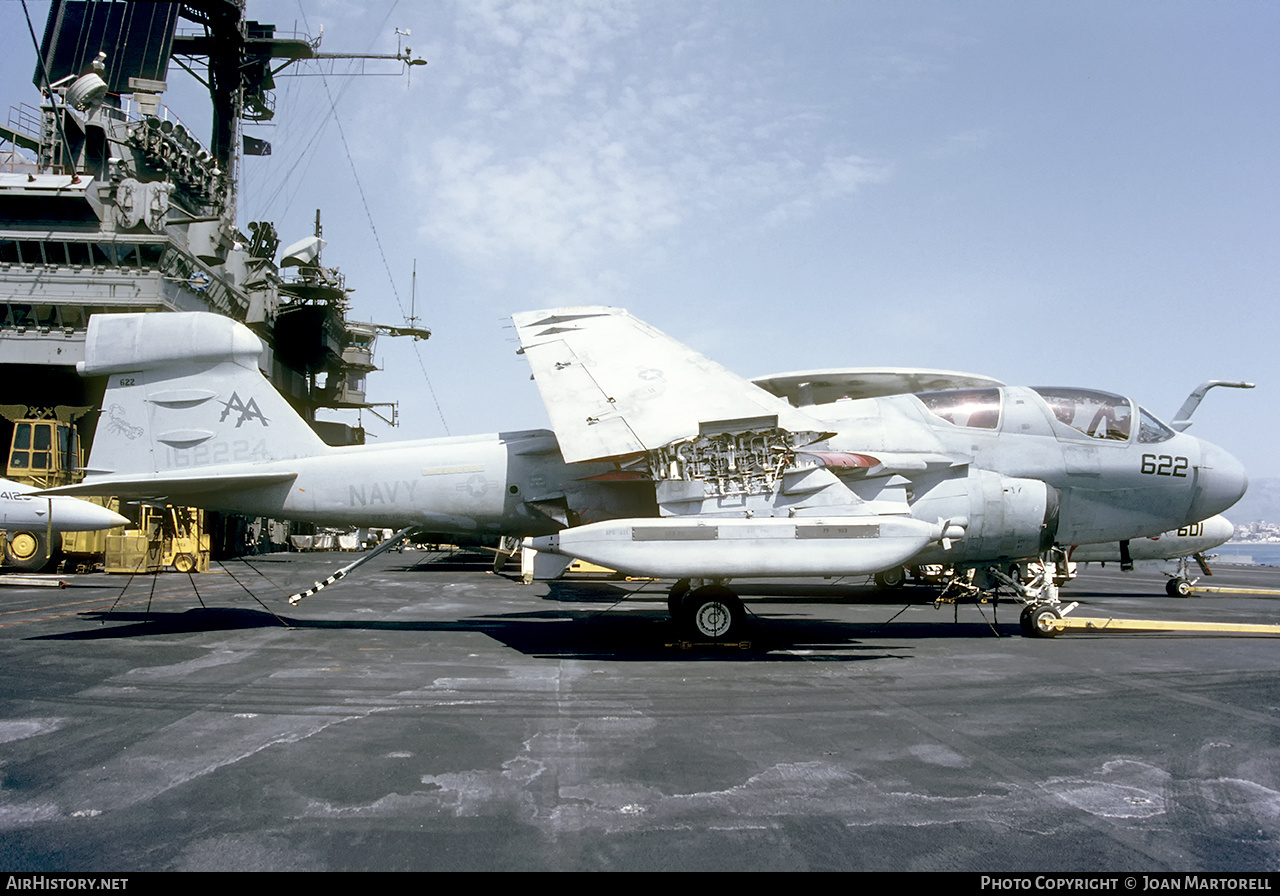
(27, 551)
(1177, 587)
(891, 578)
(1024, 622)
(675, 599)
(713, 613)
(1036, 622)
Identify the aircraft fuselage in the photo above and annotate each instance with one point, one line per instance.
(1139, 478)
(491, 484)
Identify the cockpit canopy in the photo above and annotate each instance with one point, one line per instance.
(1098, 415)
(1083, 413)
(974, 408)
(1101, 415)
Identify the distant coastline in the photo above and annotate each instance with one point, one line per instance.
(1257, 553)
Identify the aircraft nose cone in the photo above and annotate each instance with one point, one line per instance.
(112, 520)
(1221, 482)
(1219, 529)
(72, 514)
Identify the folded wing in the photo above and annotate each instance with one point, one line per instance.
(614, 386)
(744, 482)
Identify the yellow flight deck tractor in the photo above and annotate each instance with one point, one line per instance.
(44, 451)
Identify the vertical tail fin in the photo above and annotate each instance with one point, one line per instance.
(183, 392)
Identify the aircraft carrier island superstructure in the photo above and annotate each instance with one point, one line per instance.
(109, 203)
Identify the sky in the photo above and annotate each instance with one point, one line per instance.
(1047, 193)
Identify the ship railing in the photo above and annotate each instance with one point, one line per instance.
(133, 111)
(25, 119)
(26, 129)
(21, 132)
(128, 109)
(13, 162)
(260, 33)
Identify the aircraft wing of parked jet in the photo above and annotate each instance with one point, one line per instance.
(747, 484)
(613, 395)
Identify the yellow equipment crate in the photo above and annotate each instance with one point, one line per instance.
(132, 553)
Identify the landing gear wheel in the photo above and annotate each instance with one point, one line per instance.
(891, 578)
(1037, 622)
(1177, 587)
(713, 613)
(184, 562)
(675, 598)
(27, 551)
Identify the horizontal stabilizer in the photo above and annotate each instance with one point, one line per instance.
(125, 343)
(615, 386)
(170, 485)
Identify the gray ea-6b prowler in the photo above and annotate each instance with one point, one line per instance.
(748, 484)
(662, 462)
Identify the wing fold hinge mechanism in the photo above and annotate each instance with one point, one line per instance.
(746, 456)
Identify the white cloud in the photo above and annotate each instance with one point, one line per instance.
(583, 130)
(834, 178)
(562, 205)
(553, 44)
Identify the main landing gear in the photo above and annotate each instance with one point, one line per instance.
(706, 612)
(891, 578)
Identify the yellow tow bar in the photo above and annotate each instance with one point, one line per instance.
(1224, 589)
(1101, 624)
